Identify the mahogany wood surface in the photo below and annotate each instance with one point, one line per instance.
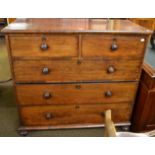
(100, 46)
(73, 114)
(144, 111)
(148, 23)
(67, 72)
(92, 45)
(30, 45)
(76, 93)
(74, 26)
(72, 71)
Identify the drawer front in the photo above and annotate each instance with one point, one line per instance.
(150, 115)
(73, 114)
(70, 70)
(112, 46)
(75, 93)
(36, 46)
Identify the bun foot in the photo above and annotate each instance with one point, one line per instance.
(125, 128)
(23, 133)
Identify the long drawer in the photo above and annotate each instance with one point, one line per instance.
(44, 94)
(74, 71)
(73, 115)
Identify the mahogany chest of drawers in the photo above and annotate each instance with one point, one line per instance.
(144, 111)
(67, 72)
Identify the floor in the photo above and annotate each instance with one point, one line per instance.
(150, 57)
(9, 121)
(4, 63)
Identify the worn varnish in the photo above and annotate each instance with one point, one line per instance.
(99, 45)
(75, 26)
(67, 72)
(77, 71)
(57, 45)
(73, 114)
(60, 94)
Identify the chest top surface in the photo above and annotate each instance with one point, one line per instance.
(45, 25)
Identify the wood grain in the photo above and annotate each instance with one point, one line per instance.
(85, 25)
(58, 46)
(75, 93)
(72, 59)
(70, 71)
(71, 114)
(98, 45)
(144, 110)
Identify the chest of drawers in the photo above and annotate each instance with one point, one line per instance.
(67, 72)
(144, 111)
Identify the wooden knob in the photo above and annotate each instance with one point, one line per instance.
(44, 46)
(111, 69)
(79, 62)
(47, 95)
(108, 94)
(45, 70)
(48, 116)
(114, 47)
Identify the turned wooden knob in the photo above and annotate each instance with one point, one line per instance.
(79, 62)
(44, 46)
(111, 69)
(108, 94)
(48, 116)
(47, 95)
(114, 47)
(45, 70)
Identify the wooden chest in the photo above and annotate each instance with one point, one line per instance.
(144, 117)
(67, 72)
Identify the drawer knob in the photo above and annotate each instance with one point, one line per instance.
(108, 94)
(111, 69)
(79, 62)
(114, 47)
(45, 70)
(48, 116)
(44, 46)
(47, 95)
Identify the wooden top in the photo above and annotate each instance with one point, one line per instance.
(74, 26)
(149, 70)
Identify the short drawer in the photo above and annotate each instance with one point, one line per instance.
(73, 114)
(45, 46)
(124, 46)
(75, 93)
(72, 70)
